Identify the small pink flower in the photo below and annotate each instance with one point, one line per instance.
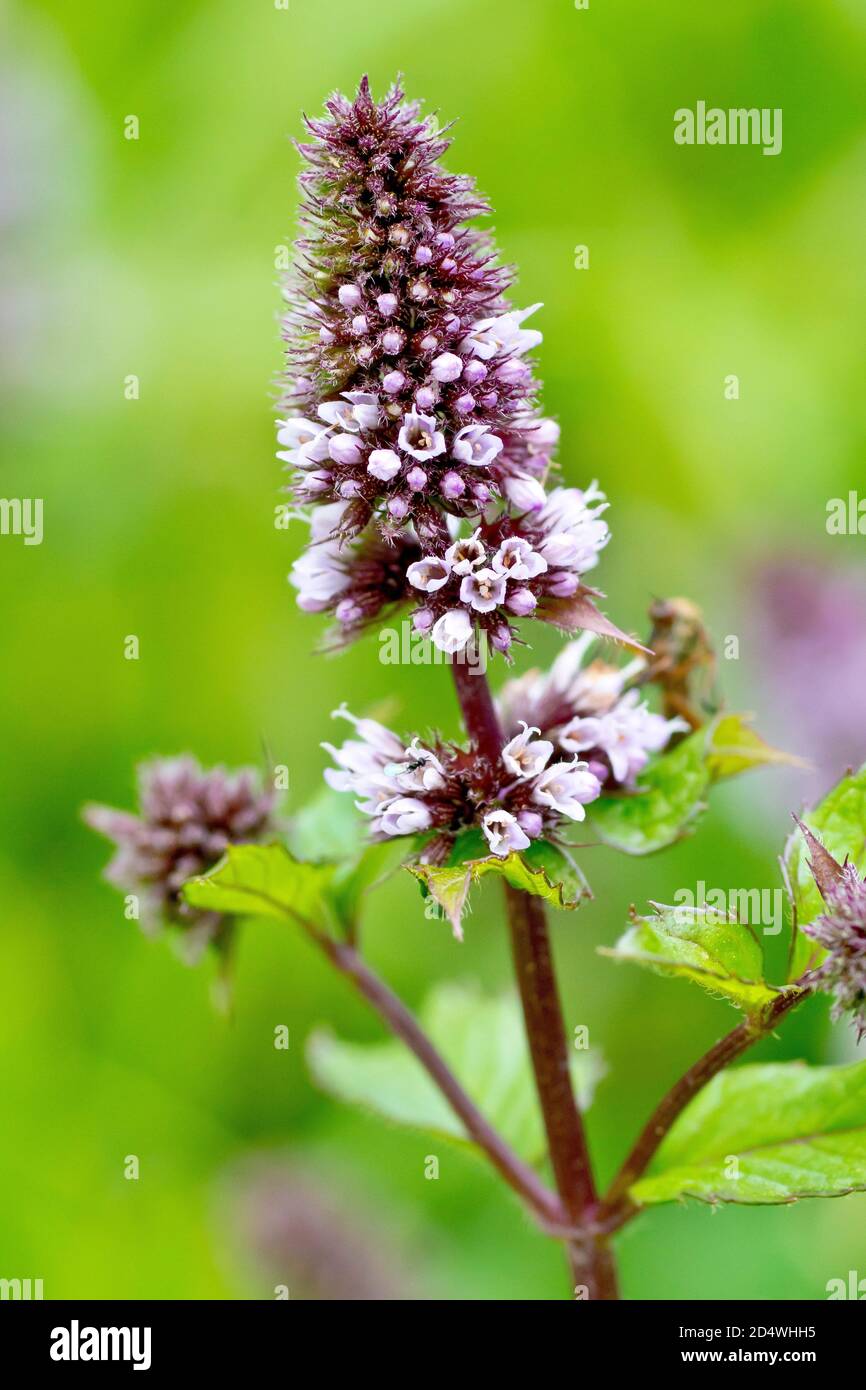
(566, 787)
(474, 444)
(416, 478)
(521, 602)
(466, 555)
(524, 756)
(349, 296)
(527, 494)
(452, 631)
(405, 816)
(429, 574)
(387, 304)
(447, 366)
(345, 449)
(419, 436)
(503, 833)
(483, 590)
(393, 341)
(384, 464)
(516, 558)
(453, 486)
(393, 382)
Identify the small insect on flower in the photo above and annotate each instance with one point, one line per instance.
(187, 819)
(840, 931)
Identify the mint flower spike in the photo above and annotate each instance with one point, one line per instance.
(187, 819)
(590, 709)
(841, 930)
(439, 790)
(407, 391)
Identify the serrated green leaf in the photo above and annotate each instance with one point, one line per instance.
(672, 791)
(839, 821)
(482, 1039)
(765, 1134)
(542, 869)
(670, 796)
(709, 947)
(265, 880)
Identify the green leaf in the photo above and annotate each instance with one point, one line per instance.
(839, 822)
(709, 947)
(265, 881)
(670, 796)
(328, 827)
(733, 747)
(352, 881)
(765, 1134)
(672, 791)
(482, 1039)
(544, 870)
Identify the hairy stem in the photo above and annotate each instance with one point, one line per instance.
(590, 1259)
(617, 1206)
(403, 1023)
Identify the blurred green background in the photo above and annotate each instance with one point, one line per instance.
(155, 258)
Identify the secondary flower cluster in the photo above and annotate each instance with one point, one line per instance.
(593, 710)
(187, 819)
(841, 932)
(439, 790)
(417, 450)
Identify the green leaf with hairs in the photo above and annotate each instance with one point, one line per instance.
(482, 1040)
(839, 821)
(545, 870)
(765, 1134)
(708, 947)
(265, 881)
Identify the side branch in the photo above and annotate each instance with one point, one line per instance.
(402, 1022)
(617, 1207)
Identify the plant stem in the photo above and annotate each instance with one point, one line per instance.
(590, 1258)
(403, 1023)
(616, 1205)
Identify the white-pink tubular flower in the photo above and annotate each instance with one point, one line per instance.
(406, 815)
(419, 436)
(466, 554)
(476, 445)
(525, 756)
(502, 336)
(525, 493)
(566, 788)
(483, 590)
(627, 734)
(575, 530)
(516, 559)
(429, 574)
(503, 833)
(453, 631)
